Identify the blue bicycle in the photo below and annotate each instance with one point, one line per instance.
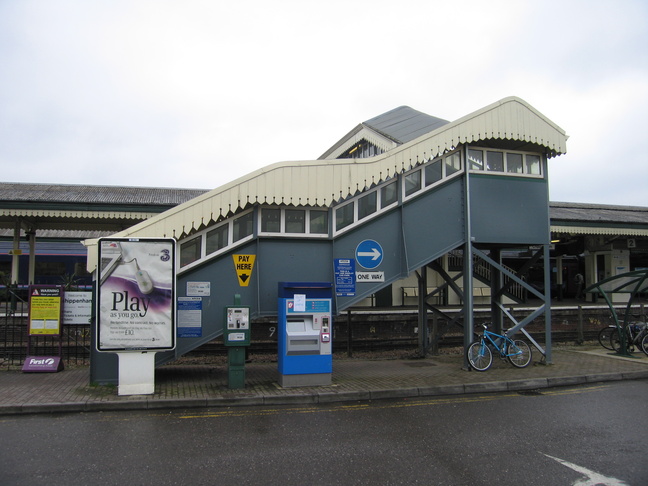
(480, 353)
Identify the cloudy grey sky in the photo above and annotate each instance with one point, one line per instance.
(196, 93)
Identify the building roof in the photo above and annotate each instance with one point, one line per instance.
(404, 124)
(386, 131)
(82, 207)
(14, 192)
(579, 218)
(325, 182)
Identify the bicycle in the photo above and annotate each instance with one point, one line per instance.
(605, 337)
(636, 334)
(480, 353)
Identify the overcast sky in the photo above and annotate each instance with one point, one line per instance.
(194, 93)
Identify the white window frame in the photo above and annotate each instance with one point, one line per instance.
(354, 200)
(282, 224)
(204, 257)
(444, 176)
(505, 154)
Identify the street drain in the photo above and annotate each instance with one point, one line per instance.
(530, 393)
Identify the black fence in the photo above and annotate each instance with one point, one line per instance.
(74, 342)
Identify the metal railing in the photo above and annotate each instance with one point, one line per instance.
(14, 329)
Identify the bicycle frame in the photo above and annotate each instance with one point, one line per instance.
(499, 341)
(480, 355)
(634, 332)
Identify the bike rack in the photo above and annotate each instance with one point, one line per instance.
(631, 283)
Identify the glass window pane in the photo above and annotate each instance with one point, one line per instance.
(242, 227)
(476, 159)
(319, 222)
(452, 164)
(295, 221)
(367, 204)
(433, 172)
(412, 182)
(495, 161)
(271, 220)
(533, 164)
(388, 194)
(344, 216)
(514, 163)
(190, 251)
(216, 239)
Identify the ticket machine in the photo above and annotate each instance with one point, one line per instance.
(305, 333)
(236, 336)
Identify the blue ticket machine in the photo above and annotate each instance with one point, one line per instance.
(305, 333)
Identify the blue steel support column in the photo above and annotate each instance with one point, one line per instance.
(547, 294)
(497, 318)
(469, 327)
(422, 312)
(547, 274)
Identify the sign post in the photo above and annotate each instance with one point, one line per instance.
(136, 306)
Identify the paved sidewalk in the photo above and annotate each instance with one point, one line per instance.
(185, 386)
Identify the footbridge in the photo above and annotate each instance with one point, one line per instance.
(475, 187)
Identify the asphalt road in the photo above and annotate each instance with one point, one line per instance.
(593, 434)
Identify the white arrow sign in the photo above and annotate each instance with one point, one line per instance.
(374, 254)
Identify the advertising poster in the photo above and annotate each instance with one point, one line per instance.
(136, 294)
(45, 310)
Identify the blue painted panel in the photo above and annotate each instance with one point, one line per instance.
(433, 224)
(509, 210)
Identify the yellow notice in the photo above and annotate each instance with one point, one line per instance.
(244, 264)
(44, 315)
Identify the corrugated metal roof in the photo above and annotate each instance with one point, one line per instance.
(597, 219)
(386, 131)
(597, 213)
(404, 124)
(323, 182)
(599, 230)
(79, 194)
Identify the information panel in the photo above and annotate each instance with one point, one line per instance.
(136, 294)
(45, 310)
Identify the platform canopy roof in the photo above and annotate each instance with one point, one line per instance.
(593, 219)
(324, 182)
(70, 208)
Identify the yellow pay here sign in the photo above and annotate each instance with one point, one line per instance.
(244, 264)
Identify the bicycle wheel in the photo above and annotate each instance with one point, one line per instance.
(519, 354)
(644, 343)
(479, 356)
(615, 341)
(604, 336)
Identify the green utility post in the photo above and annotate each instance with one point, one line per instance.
(236, 336)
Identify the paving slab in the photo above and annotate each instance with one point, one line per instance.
(191, 386)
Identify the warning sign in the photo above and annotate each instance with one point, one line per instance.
(45, 310)
(244, 264)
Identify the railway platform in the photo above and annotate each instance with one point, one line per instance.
(205, 385)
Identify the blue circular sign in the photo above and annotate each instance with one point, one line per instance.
(369, 254)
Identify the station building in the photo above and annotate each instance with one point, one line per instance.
(444, 199)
